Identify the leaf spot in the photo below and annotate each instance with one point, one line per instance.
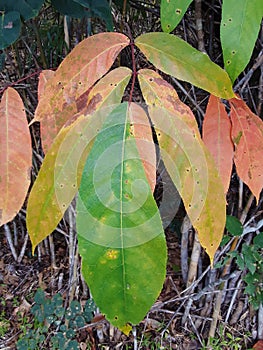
(112, 254)
(9, 25)
(236, 139)
(178, 11)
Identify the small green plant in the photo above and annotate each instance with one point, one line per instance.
(225, 341)
(4, 324)
(251, 258)
(52, 321)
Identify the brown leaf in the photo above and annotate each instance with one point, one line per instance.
(85, 64)
(217, 138)
(15, 155)
(247, 135)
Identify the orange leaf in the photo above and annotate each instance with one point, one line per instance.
(15, 155)
(85, 64)
(44, 76)
(247, 135)
(186, 159)
(217, 138)
(143, 136)
(258, 345)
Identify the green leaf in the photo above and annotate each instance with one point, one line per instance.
(172, 12)
(176, 57)
(27, 8)
(69, 8)
(233, 225)
(58, 178)
(239, 29)
(10, 26)
(258, 240)
(120, 234)
(100, 9)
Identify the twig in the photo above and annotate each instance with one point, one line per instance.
(260, 322)
(10, 241)
(135, 342)
(134, 72)
(22, 252)
(20, 80)
(186, 226)
(199, 25)
(233, 300)
(244, 81)
(195, 256)
(226, 270)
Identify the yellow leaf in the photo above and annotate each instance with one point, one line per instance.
(187, 160)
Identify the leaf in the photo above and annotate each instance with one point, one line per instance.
(10, 26)
(258, 345)
(44, 76)
(69, 8)
(172, 12)
(85, 64)
(247, 135)
(234, 226)
(59, 176)
(26, 8)
(15, 155)
(258, 240)
(186, 159)
(100, 9)
(238, 31)
(141, 129)
(217, 138)
(176, 57)
(120, 234)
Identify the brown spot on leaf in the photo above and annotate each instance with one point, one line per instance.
(160, 81)
(82, 100)
(93, 104)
